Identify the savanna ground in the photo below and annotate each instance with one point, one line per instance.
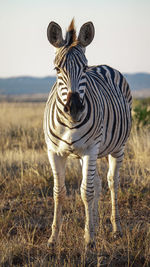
(26, 202)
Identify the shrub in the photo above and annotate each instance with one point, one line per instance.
(141, 115)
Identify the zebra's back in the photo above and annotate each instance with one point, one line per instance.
(111, 79)
(114, 95)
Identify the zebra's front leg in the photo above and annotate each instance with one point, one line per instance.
(113, 181)
(97, 191)
(59, 194)
(87, 195)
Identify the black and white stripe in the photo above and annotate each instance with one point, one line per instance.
(87, 115)
(106, 118)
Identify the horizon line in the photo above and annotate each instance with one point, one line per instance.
(46, 76)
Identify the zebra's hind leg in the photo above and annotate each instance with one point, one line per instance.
(115, 161)
(59, 193)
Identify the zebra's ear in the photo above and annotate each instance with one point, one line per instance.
(86, 34)
(54, 34)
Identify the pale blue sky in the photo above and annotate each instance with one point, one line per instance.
(122, 34)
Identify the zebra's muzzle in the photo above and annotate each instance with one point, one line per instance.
(74, 105)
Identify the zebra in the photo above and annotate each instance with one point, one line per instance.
(87, 116)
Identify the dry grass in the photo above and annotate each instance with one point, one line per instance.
(26, 203)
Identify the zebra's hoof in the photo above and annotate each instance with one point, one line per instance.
(117, 235)
(51, 245)
(90, 246)
(90, 254)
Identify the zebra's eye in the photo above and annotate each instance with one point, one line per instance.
(57, 69)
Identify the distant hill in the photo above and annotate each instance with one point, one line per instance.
(26, 85)
(33, 85)
(138, 81)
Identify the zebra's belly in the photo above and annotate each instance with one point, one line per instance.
(66, 147)
(78, 143)
(70, 145)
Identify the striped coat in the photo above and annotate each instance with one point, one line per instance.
(108, 117)
(88, 116)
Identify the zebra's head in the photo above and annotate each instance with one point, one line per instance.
(71, 64)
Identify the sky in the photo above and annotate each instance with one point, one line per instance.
(122, 34)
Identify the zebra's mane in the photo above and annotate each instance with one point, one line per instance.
(71, 38)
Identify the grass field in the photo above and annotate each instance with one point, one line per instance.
(26, 202)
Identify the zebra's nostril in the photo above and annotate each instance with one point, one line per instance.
(82, 107)
(66, 109)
